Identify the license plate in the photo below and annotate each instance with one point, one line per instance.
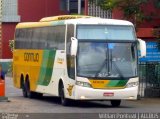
(109, 94)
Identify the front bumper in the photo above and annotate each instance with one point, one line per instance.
(85, 93)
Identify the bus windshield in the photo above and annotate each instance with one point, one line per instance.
(102, 60)
(105, 32)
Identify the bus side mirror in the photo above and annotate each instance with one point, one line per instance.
(142, 47)
(74, 46)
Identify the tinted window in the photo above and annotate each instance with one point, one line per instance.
(56, 37)
(106, 32)
(70, 59)
(41, 38)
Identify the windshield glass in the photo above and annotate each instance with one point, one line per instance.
(103, 32)
(99, 59)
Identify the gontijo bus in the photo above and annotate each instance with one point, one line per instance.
(77, 58)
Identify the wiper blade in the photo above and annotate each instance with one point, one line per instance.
(118, 70)
(104, 63)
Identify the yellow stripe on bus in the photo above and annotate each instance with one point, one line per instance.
(33, 24)
(63, 17)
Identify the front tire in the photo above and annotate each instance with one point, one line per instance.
(64, 101)
(115, 103)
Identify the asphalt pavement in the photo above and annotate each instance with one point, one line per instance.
(51, 105)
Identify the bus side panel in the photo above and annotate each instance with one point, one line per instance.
(17, 69)
(44, 68)
(27, 62)
(58, 72)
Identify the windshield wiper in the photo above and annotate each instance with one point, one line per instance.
(118, 70)
(104, 64)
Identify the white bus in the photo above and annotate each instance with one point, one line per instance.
(77, 58)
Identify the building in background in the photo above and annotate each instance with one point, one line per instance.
(15, 11)
(94, 10)
(9, 18)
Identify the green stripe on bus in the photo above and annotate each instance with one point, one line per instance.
(43, 67)
(117, 83)
(112, 83)
(122, 83)
(46, 67)
(49, 68)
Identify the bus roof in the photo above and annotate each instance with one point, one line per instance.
(53, 21)
(63, 17)
(99, 21)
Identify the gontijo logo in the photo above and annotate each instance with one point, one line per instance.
(60, 60)
(33, 57)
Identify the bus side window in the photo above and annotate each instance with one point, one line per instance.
(71, 66)
(70, 59)
(51, 44)
(43, 38)
(28, 39)
(20, 38)
(17, 35)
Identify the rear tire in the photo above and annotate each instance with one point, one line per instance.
(24, 91)
(115, 103)
(30, 94)
(64, 101)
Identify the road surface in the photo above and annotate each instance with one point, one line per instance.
(51, 105)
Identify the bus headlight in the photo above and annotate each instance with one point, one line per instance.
(83, 84)
(132, 84)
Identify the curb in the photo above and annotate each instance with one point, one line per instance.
(4, 99)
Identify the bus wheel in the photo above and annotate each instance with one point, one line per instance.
(64, 101)
(115, 103)
(24, 91)
(30, 94)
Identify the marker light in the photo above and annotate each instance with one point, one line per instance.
(132, 84)
(83, 84)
